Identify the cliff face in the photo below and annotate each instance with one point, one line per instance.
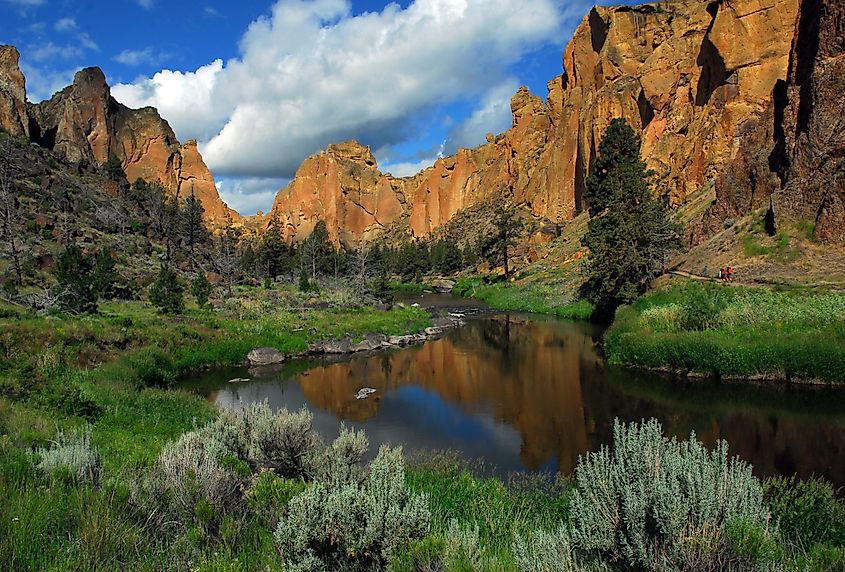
(12, 93)
(692, 77)
(86, 125)
(793, 157)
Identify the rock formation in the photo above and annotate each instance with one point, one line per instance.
(13, 117)
(84, 124)
(792, 158)
(692, 77)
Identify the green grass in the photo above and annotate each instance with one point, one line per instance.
(537, 297)
(733, 331)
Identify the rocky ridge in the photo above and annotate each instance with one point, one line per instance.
(85, 124)
(692, 77)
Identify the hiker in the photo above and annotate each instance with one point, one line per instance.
(730, 274)
(721, 274)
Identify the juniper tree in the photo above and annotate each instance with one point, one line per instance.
(166, 292)
(630, 235)
(193, 225)
(104, 275)
(201, 289)
(73, 271)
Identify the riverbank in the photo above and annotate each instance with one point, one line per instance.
(731, 331)
(536, 297)
(115, 372)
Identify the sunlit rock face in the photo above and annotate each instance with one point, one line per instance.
(692, 78)
(792, 158)
(85, 124)
(13, 118)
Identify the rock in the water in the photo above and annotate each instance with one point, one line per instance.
(433, 331)
(239, 380)
(343, 346)
(364, 392)
(265, 356)
(443, 286)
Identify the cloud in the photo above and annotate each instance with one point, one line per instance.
(138, 57)
(492, 116)
(311, 73)
(65, 25)
(26, 3)
(247, 195)
(145, 4)
(42, 83)
(212, 11)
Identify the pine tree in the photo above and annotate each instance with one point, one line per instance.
(629, 234)
(166, 292)
(73, 271)
(201, 289)
(273, 253)
(104, 276)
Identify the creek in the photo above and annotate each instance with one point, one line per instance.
(531, 393)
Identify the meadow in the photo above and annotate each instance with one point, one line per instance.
(732, 331)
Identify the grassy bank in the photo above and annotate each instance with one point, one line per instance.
(535, 297)
(733, 332)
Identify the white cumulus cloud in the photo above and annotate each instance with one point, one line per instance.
(311, 73)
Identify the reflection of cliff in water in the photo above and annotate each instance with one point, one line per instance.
(778, 430)
(526, 374)
(545, 386)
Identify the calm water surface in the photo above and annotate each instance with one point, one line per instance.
(531, 393)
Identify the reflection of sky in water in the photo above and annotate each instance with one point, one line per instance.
(534, 395)
(410, 416)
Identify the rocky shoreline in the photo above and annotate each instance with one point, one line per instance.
(372, 342)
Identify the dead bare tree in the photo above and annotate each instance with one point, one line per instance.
(10, 218)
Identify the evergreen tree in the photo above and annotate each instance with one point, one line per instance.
(304, 282)
(166, 292)
(446, 256)
(629, 234)
(193, 224)
(105, 276)
(73, 271)
(318, 251)
(274, 254)
(508, 228)
(113, 169)
(201, 289)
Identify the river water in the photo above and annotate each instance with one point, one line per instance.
(532, 393)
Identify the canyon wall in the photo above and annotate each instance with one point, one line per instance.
(86, 125)
(792, 158)
(692, 77)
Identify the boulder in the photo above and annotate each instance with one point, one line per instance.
(443, 286)
(265, 356)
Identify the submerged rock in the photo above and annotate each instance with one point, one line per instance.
(265, 356)
(239, 380)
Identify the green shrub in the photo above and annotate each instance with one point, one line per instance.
(808, 511)
(73, 400)
(153, 368)
(353, 526)
(270, 495)
(71, 458)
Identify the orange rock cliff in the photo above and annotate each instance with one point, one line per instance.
(85, 124)
(694, 78)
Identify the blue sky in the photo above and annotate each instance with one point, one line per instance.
(262, 85)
